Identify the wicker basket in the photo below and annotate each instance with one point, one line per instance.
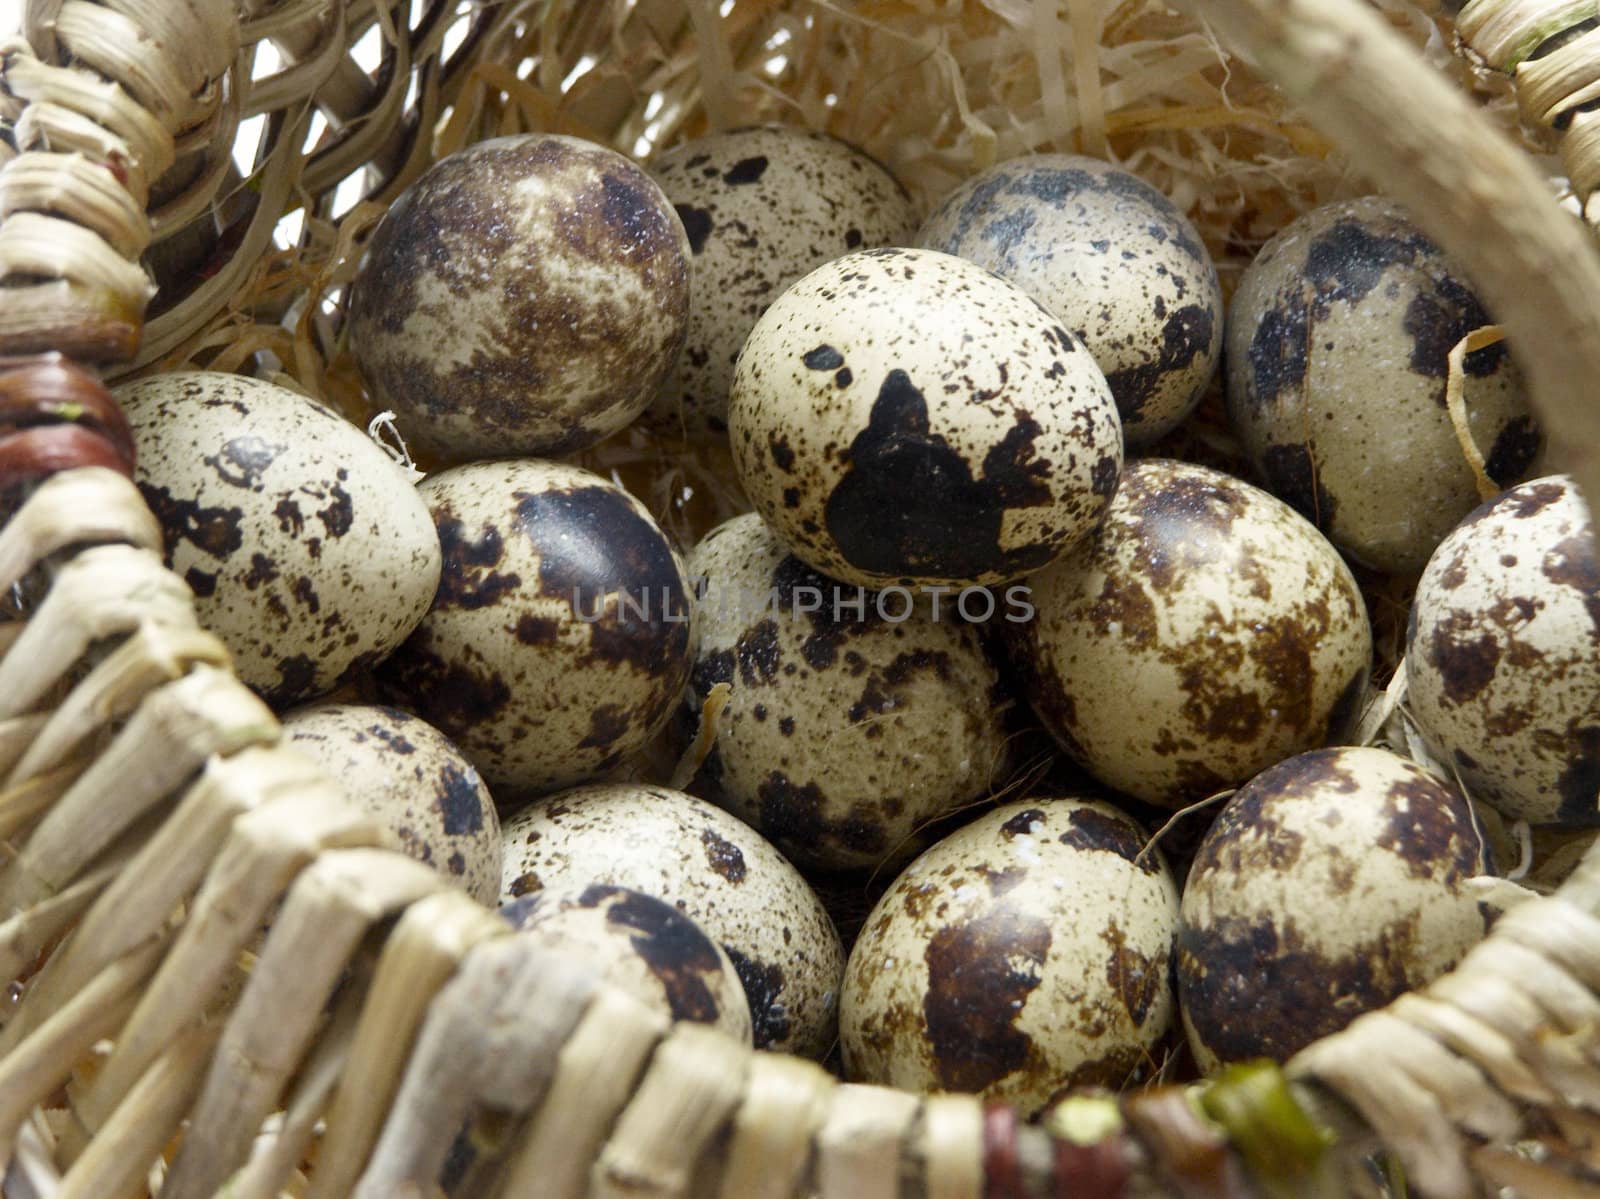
(154, 825)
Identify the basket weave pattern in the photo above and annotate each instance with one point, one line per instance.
(156, 827)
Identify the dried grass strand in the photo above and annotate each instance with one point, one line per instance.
(1455, 395)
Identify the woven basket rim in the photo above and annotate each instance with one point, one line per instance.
(181, 107)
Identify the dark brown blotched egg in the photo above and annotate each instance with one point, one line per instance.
(905, 416)
(1024, 954)
(709, 865)
(854, 719)
(1338, 343)
(405, 772)
(762, 206)
(562, 632)
(1204, 632)
(525, 296)
(1328, 886)
(1115, 261)
(1503, 655)
(308, 550)
(641, 944)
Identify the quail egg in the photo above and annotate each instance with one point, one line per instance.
(1328, 886)
(762, 206)
(1338, 346)
(905, 416)
(710, 866)
(526, 296)
(309, 552)
(406, 773)
(1503, 655)
(560, 638)
(1115, 261)
(1203, 633)
(643, 945)
(854, 718)
(1024, 954)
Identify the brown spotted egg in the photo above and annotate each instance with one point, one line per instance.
(905, 416)
(308, 550)
(762, 206)
(1114, 259)
(1503, 655)
(854, 719)
(710, 866)
(1338, 345)
(643, 945)
(406, 773)
(1204, 632)
(560, 638)
(1328, 886)
(1026, 953)
(526, 296)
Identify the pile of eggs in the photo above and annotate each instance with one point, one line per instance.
(969, 533)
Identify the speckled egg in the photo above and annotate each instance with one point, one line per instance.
(1114, 259)
(1026, 953)
(709, 865)
(527, 295)
(308, 550)
(1503, 655)
(854, 719)
(406, 773)
(762, 206)
(643, 945)
(905, 416)
(561, 634)
(1338, 346)
(1328, 886)
(1205, 632)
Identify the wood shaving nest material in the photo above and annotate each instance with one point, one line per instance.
(937, 91)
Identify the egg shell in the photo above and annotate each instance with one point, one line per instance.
(845, 732)
(710, 866)
(309, 552)
(406, 773)
(643, 945)
(762, 206)
(1503, 655)
(905, 416)
(1328, 886)
(1205, 632)
(562, 632)
(1025, 953)
(525, 296)
(1338, 345)
(1113, 259)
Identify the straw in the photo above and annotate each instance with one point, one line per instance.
(333, 904)
(265, 851)
(769, 1150)
(424, 950)
(490, 1039)
(151, 656)
(117, 1161)
(164, 874)
(76, 507)
(100, 593)
(171, 735)
(859, 1147)
(596, 1073)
